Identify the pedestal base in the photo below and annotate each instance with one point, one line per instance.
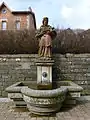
(44, 73)
(41, 86)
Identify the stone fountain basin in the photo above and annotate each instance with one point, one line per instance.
(74, 90)
(73, 93)
(27, 91)
(14, 93)
(44, 102)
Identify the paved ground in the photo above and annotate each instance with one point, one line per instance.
(79, 112)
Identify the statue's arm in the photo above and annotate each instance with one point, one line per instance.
(39, 35)
(40, 32)
(53, 32)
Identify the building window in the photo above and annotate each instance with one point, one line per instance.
(4, 25)
(3, 11)
(18, 25)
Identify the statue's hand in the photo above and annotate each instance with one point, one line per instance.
(48, 32)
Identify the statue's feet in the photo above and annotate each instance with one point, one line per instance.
(48, 57)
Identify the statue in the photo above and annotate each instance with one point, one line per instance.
(45, 35)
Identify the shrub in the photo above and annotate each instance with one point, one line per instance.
(17, 42)
(24, 42)
(67, 41)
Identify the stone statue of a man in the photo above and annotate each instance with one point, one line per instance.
(45, 35)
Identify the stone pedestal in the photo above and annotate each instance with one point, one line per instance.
(44, 73)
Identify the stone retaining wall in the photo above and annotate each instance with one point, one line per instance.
(21, 67)
(75, 67)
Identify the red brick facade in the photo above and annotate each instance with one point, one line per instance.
(12, 20)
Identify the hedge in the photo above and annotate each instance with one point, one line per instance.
(67, 41)
(18, 42)
(24, 42)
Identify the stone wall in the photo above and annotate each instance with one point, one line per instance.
(75, 67)
(14, 68)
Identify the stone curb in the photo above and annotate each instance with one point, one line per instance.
(84, 98)
(5, 100)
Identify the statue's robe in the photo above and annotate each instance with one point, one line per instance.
(45, 40)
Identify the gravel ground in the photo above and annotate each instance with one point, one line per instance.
(79, 112)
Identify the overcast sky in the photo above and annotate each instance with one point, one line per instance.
(61, 13)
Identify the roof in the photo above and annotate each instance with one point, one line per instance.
(15, 12)
(22, 12)
(4, 4)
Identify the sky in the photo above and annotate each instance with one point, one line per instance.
(74, 14)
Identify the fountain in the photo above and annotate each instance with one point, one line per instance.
(42, 97)
(45, 100)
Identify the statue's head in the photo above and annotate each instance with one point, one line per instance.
(45, 21)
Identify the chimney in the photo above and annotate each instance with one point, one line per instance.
(30, 9)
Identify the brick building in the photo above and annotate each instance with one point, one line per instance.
(16, 20)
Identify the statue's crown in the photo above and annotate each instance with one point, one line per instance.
(45, 18)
